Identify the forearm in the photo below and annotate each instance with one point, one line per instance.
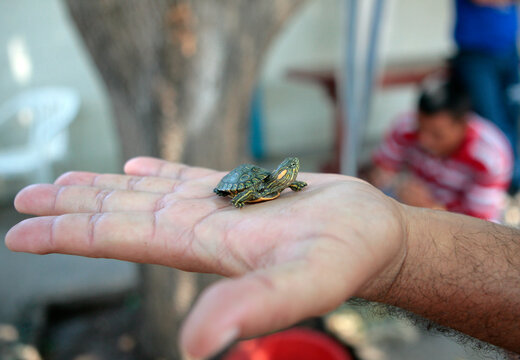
(461, 272)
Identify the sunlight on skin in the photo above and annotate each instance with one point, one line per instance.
(274, 253)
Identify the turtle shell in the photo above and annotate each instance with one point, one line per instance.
(240, 178)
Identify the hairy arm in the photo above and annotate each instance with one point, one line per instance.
(460, 272)
(298, 256)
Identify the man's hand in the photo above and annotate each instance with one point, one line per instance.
(298, 256)
(414, 192)
(381, 178)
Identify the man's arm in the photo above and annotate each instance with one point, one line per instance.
(414, 192)
(460, 272)
(298, 256)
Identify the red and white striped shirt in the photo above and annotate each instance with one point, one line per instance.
(472, 181)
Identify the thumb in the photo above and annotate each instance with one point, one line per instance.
(265, 300)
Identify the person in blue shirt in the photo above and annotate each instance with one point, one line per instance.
(487, 63)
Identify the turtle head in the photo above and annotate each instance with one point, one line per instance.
(286, 172)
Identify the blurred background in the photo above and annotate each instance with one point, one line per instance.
(91, 84)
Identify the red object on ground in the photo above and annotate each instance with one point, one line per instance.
(292, 344)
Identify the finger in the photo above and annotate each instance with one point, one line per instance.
(45, 199)
(146, 166)
(266, 300)
(166, 238)
(92, 235)
(116, 181)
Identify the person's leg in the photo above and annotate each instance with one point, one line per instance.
(508, 68)
(479, 74)
(484, 77)
(511, 93)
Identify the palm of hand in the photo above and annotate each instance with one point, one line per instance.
(323, 244)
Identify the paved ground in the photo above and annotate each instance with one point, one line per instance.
(27, 279)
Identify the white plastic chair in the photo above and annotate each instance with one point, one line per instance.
(34, 131)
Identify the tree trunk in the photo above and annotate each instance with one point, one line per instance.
(180, 74)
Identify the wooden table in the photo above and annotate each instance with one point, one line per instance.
(394, 75)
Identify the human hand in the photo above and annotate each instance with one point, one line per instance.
(414, 192)
(298, 256)
(381, 178)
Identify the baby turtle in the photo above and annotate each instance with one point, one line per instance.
(250, 183)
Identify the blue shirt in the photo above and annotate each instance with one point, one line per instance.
(485, 28)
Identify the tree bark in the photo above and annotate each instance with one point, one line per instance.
(179, 74)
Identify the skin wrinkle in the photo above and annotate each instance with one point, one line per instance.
(166, 239)
(95, 180)
(181, 238)
(160, 203)
(249, 261)
(265, 281)
(153, 237)
(159, 170)
(243, 265)
(100, 198)
(196, 229)
(396, 295)
(400, 272)
(92, 224)
(358, 234)
(398, 276)
(280, 315)
(265, 259)
(132, 182)
(50, 241)
(55, 203)
(175, 187)
(181, 172)
(210, 196)
(225, 241)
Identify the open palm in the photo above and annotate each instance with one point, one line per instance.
(297, 256)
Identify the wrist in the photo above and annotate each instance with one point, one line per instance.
(384, 285)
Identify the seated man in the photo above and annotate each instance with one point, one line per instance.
(447, 157)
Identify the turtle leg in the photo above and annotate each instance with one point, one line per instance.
(298, 185)
(240, 199)
(266, 197)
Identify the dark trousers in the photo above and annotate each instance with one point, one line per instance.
(492, 82)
